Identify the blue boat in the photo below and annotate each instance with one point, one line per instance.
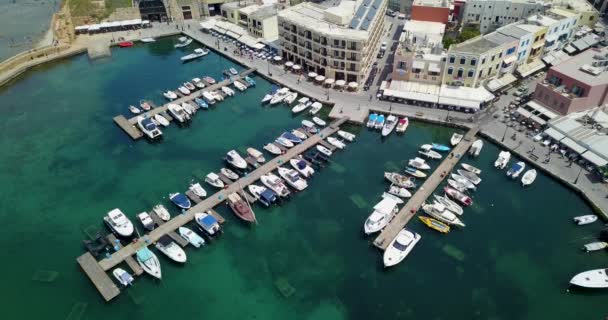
(371, 120)
(201, 103)
(250, 81)
(291, 137)
(180, 200)
(208, 224)
(379, 122)
(440, 147)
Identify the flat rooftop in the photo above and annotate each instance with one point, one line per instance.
(572, 67)
(476, 46)
(432, 3)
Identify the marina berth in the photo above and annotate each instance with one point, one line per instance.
(162, 212)
(208, 224)
(302, 167)
(292, 177)
(435, 224)
(178, 113)
(400, 247)
(146, 221)
(275, 184)
(118, 222)
(149, 262)
(123, 277)
(469, 176)
(455, 139)
(380, 217)
(470, 168)
(440, 212)
(516, 169)
(262, 194)
(240, 208)
(502, 160)
(171, 249)
(235, 160)
(150, 130)
(192, 237)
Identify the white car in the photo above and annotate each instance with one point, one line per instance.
(538, 137)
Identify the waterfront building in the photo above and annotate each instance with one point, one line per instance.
(559, 24)
(260, 20)
(588, 13)
(431, 10)
(338, 42)
(576, 84)
(525, 34)
(492, 14)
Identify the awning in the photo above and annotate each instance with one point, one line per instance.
(319, 78)
(554, 134)
(433, 67)
(570, 49)
(411, 95)
(523, 112)
(340, 82)
(497, 84)
(541, 109)
(418, 65)
(353, 85)
(312, 74)
(538, 120)
(233, 34)
(459, 102)
(538, 45)
(573, 145)
(296, 67)
(594, 158)
(528, 69)
(510, 59)
(277, 58)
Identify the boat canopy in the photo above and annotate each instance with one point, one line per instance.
(144, 254)
(267, 195)
(303, 100)
(165, 241)
(208, 221)
(213, 176)
(301, 164)
(385, 206)
(148, 124)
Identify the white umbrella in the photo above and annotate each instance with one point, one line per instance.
(312, 75)
(340, 83)
(288, 64)
(329, 81)
(353, 85)
(320, 78)
(277, 58)
(296, 67)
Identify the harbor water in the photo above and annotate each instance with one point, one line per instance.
(65, 164)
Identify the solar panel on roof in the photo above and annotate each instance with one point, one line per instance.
(367, 2)
(360, 12)
(377, 4)
(371, 14)
(365, 25)
(354, 23)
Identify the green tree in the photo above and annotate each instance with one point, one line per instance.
(447, 42)
(468, 33)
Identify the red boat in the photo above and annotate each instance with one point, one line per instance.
(125, 44)
(240, 208)
(458, 196)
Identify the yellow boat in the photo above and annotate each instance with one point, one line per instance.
(435, 224)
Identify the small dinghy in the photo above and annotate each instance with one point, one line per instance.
(214, 180)
(399, 180)
(180, 200)
(233, 71)
(272, 148)
(469, 175)
(208, 224)
(198, 190)
(301, 106)
(123, 277)
(144, 105)
(267, 98)
(464, 181)
(455, 139)
(167, 246)
(586, 219)
(435, 224)
(400, 247)
(315, 108)
(162, 212)
(161, 120)
(399, 192)
(192, 237)
(257, 155)
(134, 110)
(440, 147)
(402, 125)
(189, 86)
(346, 135)
(336, 142)
(502, 160)
(183, 90)
(318, 121)
(170, 95)
(209, 80)
(470, 168)
(229, 174)
(284, 142)
(324, 150)
(146, 221)
(371, 120)
(415, 173)
(516, 169)
(528, 177)
(595, 246)
(147, 40)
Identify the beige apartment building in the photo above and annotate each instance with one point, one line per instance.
(338, 42)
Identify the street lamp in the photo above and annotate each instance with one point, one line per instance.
(504, 134)
(578, 175)
(269, 73)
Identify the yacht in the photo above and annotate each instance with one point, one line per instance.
(171, 249)
(170, 95)
(516, 169)
(229, 174)
(178, 113)
(149, 128)
(292, 177)
(275, 184)
(263, 194)
(528, 177)
(503, 159)
(586, 219)
(371, 120)
(346, 135)
(192, 237)
(315, 107)
(207, 223)
(279, 96)
(470, 168)
(272, 148)
(400, 247)
(336, 142)
(291, 97)
(469, 176)
(381, 216)
(402, 125)
(455, 139)
(440, 212)
(399, 192)
(419, 163)
(149, 262)
(235, 159)
(302, 167)
(476, 148)
(449, 204)
(198, 190)
(593, 279)
(399, 180)
(183, 42)
(257, 155)
(427, 151)
(214, 180)
(180, 200)
(123, 277)
(389, 125)
(146, 221)
(240, 208)
(303, 103)
(119, 223)
(458, 196)
(198, 53)
(162, 212)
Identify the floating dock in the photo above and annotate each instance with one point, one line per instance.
(426, 190)
(106, 287)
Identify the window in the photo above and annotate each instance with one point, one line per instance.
(493, 58)
(452, 59)
(483, 61)
(450, 70)
(480, 73)
(401, 65)
(463, 60)
(511, 50)
(471, 73)
(473, 61)
(460, 73)
(500, 55)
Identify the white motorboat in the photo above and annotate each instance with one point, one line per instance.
(399, 191)
(170, 95)
(192, 237)
(272, 148)
(227, 91)
(476, 147)
(284, 142)
(470, 168)
(528, 177)
(147, 40)
(119, 223)
(183, 90)
(235, 159)
(183, 42)
(161, 120)
(146, 221)
(267, 98)
(239, 85)
(123, 276)
(147, 126)
(266, 196)
(400, 247)
(382, 214)
(593, 279)
(402, 125)
(198, 83)
(389, 125)
(190, 109)
(457, 185)
(198, 190)
(586, 219)
(346, 135)
(427, 151)
(171, 249)
(292, 177)
(440, 212)
(279, 96)
(229, 174)
(207, 223)
(318, 121)
(399, 180)
(149, 262)
(469, 176)
(257, 155)
(315, 108)
(299, 134)
(301, 106)
(275, 184)
(336, 142)
(456, 138)
(464, 181)
(178, 113)
(214, 180)
(324, 150)
(209, 98)
(516, 169)
(217, 95)
(162, 212)
(449, 204)
(302, 167)
(419, 163)
(291, 97)
(595, 246)
(198, 53)
(503, 159)
(134, 110)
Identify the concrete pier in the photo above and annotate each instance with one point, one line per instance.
(106, 287)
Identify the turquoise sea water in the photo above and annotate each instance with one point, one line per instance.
(65, 164)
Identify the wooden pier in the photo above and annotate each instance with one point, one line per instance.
(426, 190)
(135, 267)
(128, 125)
(98, 276)
(172, 234)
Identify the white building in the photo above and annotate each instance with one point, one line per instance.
(559, 24)
(525, 33)
(492, 14)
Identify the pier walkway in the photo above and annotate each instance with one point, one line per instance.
(217, 198)
(426, 190)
